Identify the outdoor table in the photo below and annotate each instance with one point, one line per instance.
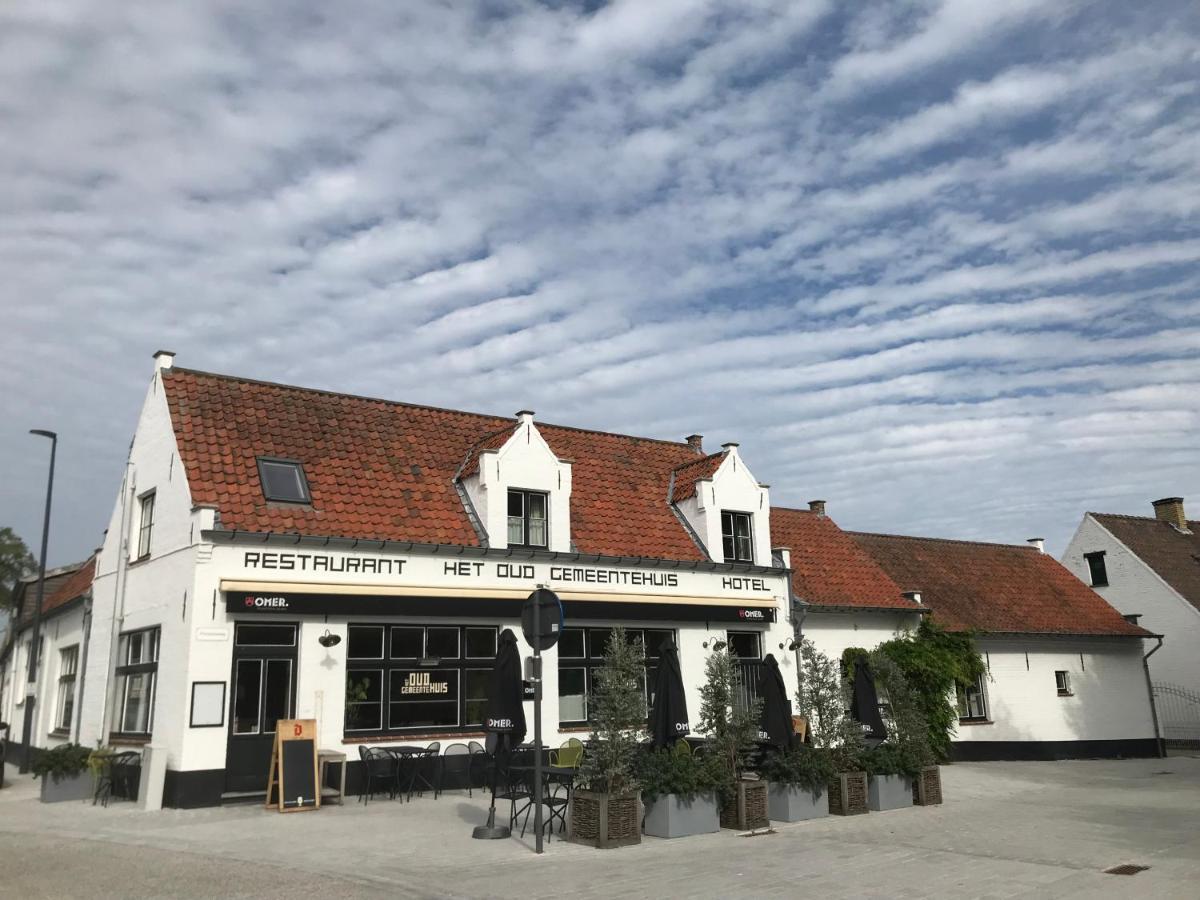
(403, 755)
(324, 759)
(563, 776)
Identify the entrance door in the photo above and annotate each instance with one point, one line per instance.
(264, 691)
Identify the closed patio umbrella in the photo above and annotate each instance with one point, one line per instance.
(775, 726)
(504, 720)
(669, 715)
(864, 702)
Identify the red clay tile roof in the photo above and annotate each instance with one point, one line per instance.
(828, 567)
(1174, 556)
(385, 471)
(692, 471)
(995, 587)
(491, 442)
(60, 589)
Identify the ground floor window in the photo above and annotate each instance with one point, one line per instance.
(581, 652)
(67, 668)
(136, 672)
(972, 701)
(401, 678)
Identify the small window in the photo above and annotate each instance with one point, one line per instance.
(1062, 681)
(972, 702)
(737, 537)
(136, 673)
(68, 667)
(145, 525)
(527, 519)
(1097, 568)
(744, 645)
(481, 643)
(283, 481)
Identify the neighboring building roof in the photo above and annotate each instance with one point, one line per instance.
(385, 471)
(999, 588)
(828, 567)
(1173, 555)
(63, 585)
(684, 484)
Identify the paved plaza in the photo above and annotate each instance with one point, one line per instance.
(1006, 830)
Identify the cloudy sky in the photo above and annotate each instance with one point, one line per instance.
(935, 262)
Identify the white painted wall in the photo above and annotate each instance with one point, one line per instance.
(1110, 697)
(1133, 587)
(734, 488)
(59, 630)
(833, 632)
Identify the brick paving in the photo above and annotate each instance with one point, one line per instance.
(1028, 830)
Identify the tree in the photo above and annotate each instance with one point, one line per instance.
(619, 706)
(15, 563)
(823, 699)
(732, 727)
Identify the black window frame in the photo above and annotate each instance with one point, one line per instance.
(146, 523)
(305, 500)
(1097, 565)
(963, 700)
(593, 659)
(525, 494)
(124, 669)
(1062, 686)
(384, 665)
(730, 537)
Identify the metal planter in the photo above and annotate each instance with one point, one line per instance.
(674, 815)
(889, 792)
(789, 803)
(70, 787)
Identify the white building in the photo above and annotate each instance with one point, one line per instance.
(1149, 568)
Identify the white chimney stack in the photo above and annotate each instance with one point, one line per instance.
(163, 359)
(1038, 544)
(525, 417)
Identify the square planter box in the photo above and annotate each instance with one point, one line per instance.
(848, 794)
(605, 820)
(927, 787)
(673, 816)
(788, 803)
(73, 787)
(747, 809)
(889, 792)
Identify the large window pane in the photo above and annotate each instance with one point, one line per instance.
(653, 640)
(247, 696)
(277, 697)
(365, 642)
(572, 695)
(475, 683)
(253, 635)
(408, 643)
(137, 703)
(537, 520)
(744, 645)
(570, 644)
(481, 643)
(423, 698)
(364, 699)
(441, 643)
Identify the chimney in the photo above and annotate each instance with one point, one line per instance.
(525, 416)
(1131, 618)
(914, 596)
(1039, 544)
(1170, 510)
(817, 506)
(696, 442)
(163, 359)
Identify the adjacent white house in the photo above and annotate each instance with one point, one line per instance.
(1148, 567)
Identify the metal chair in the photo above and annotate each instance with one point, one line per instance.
(569, 755)
(457, 761)
(378, 765)
(478, 769)
(116, 777)
(425, 770)
(682, 748)
(516, 788)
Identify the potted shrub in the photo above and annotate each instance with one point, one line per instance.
(64, 772)
(606, 810)
(732, 730)
(889, 778)
(823, 700)
(799, 779)
(680, 793)
(895, 765)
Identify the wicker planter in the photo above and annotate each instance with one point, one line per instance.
(889, 792)
(927, 787)
(675, 816)
(747, 809)
(70, 787)
(789, 803)
(848, 794)
(605, 820)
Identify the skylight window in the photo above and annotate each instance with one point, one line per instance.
(283, 481)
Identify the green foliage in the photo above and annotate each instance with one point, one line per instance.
(661, 772)
(891, 759)
(620, 717)
(934, 661)
(823, 699)
(810, 768)
(907, 746)
(732, 728)
(63, 761)
(15, 563)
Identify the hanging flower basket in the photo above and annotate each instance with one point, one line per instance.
(605, 820)
(848, 794)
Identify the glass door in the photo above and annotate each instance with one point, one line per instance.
(264, 687)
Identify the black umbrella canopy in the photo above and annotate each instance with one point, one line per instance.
(505, 704)
(776, 726)
(669, 717)
(864, 703)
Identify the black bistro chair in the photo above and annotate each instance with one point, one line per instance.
(515, 788)
(455, 762)
(379, 767)
(118, 777)
(478, 771)
(424, 773)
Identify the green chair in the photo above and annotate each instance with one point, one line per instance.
(569, 755)
(682, 748)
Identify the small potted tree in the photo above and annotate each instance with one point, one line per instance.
(732, 730)
(894, 765)
(64, 772)
(799, 779)
(680, 792)
(606, 810)
(823, 699)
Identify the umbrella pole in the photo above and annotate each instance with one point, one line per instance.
(491, 831)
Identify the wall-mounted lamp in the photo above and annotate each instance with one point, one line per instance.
(791, 646)
(329, 639)
(717, 644)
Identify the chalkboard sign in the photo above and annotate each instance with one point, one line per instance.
(294, 766)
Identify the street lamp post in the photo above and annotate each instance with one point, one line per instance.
(34, 644)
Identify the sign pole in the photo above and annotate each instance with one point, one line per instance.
(537, 728)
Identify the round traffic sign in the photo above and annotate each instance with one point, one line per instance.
(550, 619)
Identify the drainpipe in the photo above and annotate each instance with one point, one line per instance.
(1158, 741)
(121, 576)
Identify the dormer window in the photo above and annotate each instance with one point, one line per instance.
(527, 518)
(1097, 569)
(737, 537)
(283, 480)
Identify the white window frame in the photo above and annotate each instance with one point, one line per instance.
(145, 664)
(980, 687)
(733, 515)
(145, 524)
(66, 686)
